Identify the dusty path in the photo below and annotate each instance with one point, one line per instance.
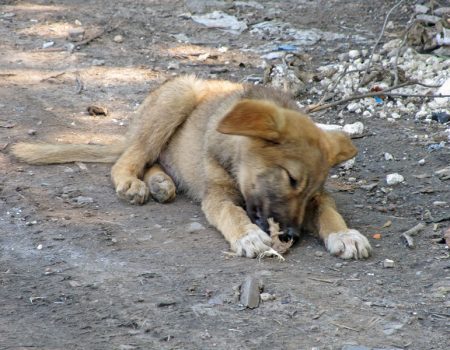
(80, 269)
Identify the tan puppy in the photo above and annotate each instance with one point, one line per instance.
(246, 153)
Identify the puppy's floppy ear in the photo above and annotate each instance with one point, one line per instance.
(254, 118)
(340, 148)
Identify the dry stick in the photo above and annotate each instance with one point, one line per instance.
(379, 37)
(328, 89)
(53, 76)
(98, 34)
(405, 36)
(80, 85)
(344, 326)
(316, 108)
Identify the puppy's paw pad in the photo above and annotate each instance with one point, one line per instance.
(254, 243)
(348, 244)
(162, 188)
(133, 190)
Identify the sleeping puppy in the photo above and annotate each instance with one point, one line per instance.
(246, 153)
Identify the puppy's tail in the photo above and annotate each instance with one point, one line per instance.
(47, 153)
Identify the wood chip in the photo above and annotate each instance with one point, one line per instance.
(97, 110)
(278, 245)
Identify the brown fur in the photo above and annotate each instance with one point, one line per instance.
(240, 150)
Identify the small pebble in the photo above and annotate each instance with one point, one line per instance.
(355, 129)
(31, 132)
(97, 62)
(266, 297)
(48, 44)
(354, 54)
(388, 156)
(318, 254)
(394, 179)
(194, 227)
(388, 263)
(118, 39)
(421, 162)
(439, 203)
(39, 247)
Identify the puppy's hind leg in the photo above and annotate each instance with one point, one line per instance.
(157, 119)
(161, 185)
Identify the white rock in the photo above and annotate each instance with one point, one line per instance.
(395, 115)
(388, 156)
(97, 62)
(388, 263)
(421, 9)
(367, 114)
(194, 227)
(439, 203)
(347, 165)
(421, 162)
(444, 90)
(266, 296)
(221, 20)
(39, 247)
(118, 39)
(394, 179)
(355, 129)
(354, 54)
(48, 44)
(353, 107)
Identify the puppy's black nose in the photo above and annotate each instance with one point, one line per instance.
(290, 233)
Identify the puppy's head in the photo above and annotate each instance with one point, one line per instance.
(284, 160)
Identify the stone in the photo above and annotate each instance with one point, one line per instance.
(429, 19)
(421, 162)
(118, 39)
(388, 263)
(266, 297)
(388, 156)
(83, 200)
(194, 227)
(221, 20)
(250, 292)
(421, 9)
(48, 44)
(97, 62)
(354, 54)
(76, 34)
(355, 129)
(353, 107)
(394, 179)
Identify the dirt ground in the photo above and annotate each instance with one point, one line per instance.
(79, 269)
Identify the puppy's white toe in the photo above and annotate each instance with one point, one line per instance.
(348, 244)
(253, 243)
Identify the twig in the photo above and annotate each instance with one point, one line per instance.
(344, 326)
(321, 280)
(98, 34)
(316, 108)
(328, 89)
(405, 36)
(80, 85)
(416, 229)
(379, 37)
(53, 76)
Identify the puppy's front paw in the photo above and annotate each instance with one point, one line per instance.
(254, 243)
(348, 244)
(133, 190)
